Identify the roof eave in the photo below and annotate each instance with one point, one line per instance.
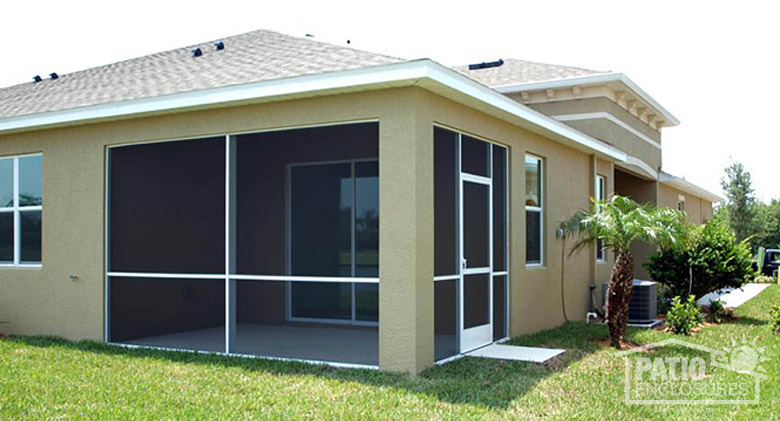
(418, 72)
(597, 79)
(688, 187)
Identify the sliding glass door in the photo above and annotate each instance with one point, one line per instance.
(333, 229)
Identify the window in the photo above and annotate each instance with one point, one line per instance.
(681, 202)
(334, 232)
(534, 202)
(21, 204)
(601, 195)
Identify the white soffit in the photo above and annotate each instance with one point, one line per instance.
(638, 167)
(598, 79)
(424, 73)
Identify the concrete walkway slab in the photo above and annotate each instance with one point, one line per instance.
(516, 353)
(731, 297)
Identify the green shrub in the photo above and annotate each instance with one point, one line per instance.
(775, 314)
(717, 311)
(682, 317)
(709, 259)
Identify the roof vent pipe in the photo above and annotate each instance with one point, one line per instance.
(219, 45)
(53, 76)
(486, 65)
(197, 52)
(37, 78)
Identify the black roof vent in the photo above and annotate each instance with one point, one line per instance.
(219, 45)
(53, 76)
(486, 65)
(197, 52)
(37, 78)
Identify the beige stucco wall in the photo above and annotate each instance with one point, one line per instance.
(46, 301)
(606, 130)
(603, 270)
(535, 293)
(697, 209)
(588, 105)
(642, 191)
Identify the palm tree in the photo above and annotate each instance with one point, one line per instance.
(617, 223)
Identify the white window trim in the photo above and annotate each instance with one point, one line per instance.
(539, 209)
(601, 194)
(17, 210)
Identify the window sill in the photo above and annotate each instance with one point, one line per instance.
(535, 266)
(21, 266)
(601, 262)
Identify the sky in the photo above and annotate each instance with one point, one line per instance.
(695, 58)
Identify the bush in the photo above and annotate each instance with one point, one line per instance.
(682, 317)
(775, 314)
(717, 311)
(709, 259)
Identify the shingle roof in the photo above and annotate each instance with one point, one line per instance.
(250, 57)
(515, 71)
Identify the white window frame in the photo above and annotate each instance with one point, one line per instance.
(539, 209)
(601, 194)
(681, 202)
(17, 211)
(353, 279)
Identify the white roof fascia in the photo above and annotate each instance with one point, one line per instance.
(397, 74)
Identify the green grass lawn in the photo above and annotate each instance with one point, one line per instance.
(51, 378)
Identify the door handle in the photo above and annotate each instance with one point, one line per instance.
(464, 263)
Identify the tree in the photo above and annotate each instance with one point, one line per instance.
(742, 202)
(768, 220)
(618, 222)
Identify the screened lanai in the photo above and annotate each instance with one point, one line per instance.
(263, 244)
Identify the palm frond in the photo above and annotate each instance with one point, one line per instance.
(620, 221)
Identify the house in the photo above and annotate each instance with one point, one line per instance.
(234, 197)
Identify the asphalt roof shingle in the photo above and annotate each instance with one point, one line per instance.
(515, 71)
(251, 57)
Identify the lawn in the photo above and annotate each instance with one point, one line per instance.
(51, 378)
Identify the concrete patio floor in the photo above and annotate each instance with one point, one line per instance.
(330, 344)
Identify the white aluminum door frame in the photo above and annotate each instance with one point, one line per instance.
(478, 336)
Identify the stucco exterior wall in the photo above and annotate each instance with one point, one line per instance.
(46, 301)
(603, 270)
(535, 292)
(698, 210)
(606, 130)
(589, 105)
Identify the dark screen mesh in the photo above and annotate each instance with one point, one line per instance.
(167, 207)
(445, 181)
